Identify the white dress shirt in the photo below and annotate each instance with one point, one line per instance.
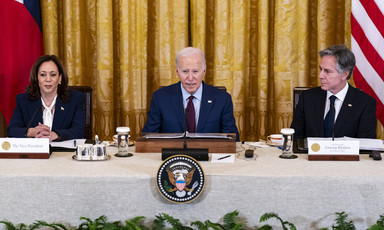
(340, 96)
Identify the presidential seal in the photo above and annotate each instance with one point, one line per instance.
(180, 179)
(6, 145)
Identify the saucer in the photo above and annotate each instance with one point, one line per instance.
(107, 157)
(130, 143)
(273, 143)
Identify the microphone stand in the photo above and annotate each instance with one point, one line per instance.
(185, 140)
(30, 121)
(198, 154)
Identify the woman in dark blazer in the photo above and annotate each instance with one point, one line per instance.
(48, 109)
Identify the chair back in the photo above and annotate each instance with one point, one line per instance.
(88, 108)
(296, 96)
(3, 126)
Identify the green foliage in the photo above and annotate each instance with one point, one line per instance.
(100, 223)
(162, 221)
(229, 223)
(134, 224)
(342, 222)
(270, 215)
(11, 226)
(379, 224)
(39, 224)
(207, 225)
(165, 218)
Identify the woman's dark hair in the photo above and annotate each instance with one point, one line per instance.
(33, 88)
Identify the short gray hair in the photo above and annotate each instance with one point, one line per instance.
(345, 59)
(189, 51)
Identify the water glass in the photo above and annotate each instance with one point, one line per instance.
(286, 148)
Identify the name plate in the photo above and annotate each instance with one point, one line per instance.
(37, 148)
(338, 150)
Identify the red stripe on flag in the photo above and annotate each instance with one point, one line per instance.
(362, 84)
(366, 47)
(375, 14)
(368, 50)
(21, 43)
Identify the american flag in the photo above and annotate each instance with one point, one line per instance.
(367, 27)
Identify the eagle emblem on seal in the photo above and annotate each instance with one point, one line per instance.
(180, 176)
(180, 179)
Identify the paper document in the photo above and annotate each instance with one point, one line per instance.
(188, 135)
(368, 143)
(68, 144)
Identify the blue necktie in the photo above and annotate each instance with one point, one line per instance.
(190, 115)
(330, 118)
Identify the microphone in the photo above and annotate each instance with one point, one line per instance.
(30, 121)
(185, 139)
(198, 154)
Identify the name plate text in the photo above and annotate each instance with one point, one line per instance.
(24, 145)
(328, 147)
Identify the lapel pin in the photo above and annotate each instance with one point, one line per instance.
(349, 105)
(209, 101)
(62, 108)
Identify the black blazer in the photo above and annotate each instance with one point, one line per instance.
(68, 120)
(357, 116)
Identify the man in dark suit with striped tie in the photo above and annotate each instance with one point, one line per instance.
(191, 104)
(335, 109)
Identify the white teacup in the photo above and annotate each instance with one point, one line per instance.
(275, 139)
(115, 137)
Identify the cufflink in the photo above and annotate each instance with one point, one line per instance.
(349, 105)
(209, 101)
(62, 108)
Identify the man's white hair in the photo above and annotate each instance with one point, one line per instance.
(189, 51)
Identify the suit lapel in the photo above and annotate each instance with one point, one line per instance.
(345, 110)
(60, 113)
(319, 111)
(207, 102)
(176, 98)
(35, 109)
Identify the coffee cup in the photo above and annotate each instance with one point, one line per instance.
(275, 139)
(115, 137)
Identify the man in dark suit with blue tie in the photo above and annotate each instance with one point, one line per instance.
(191, 104)
(335, 109)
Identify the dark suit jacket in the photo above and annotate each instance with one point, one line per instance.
(68, 120)
(357, 116)
(166, 114)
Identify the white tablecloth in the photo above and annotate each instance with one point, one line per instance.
(306, 193)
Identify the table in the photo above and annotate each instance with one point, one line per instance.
(305, 193)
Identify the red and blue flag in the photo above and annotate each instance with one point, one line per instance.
(21, 43)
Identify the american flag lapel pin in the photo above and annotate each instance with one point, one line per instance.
(209, 101)
(62, 108)
(349, 105)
